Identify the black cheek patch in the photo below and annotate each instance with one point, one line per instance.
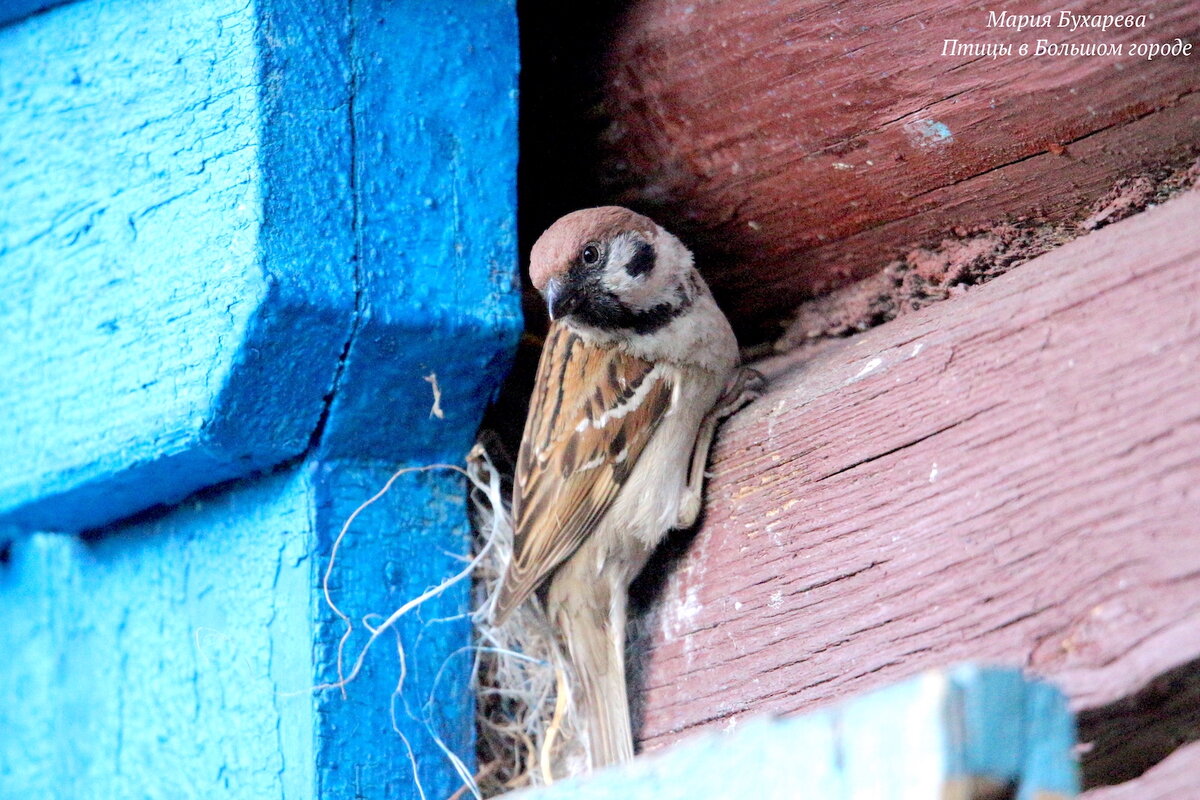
(642, 260)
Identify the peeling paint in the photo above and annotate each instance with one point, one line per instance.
(928, 133)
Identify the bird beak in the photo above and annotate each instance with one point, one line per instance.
(560, 300)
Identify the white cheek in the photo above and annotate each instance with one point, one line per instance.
(642, 291)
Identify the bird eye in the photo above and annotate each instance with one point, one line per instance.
(590, 254)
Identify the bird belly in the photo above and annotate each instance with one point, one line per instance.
(648, 504)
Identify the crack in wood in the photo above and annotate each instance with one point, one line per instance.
(1132, 734)
(906, 445)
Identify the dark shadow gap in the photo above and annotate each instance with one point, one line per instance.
(1130, 735)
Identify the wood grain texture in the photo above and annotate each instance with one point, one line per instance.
(800, 145)
(414, 690)
(158, 662)
(175, 657)
(435, 174)
(960, 734)
(434, 153)
(362, 155)
(176, 249)
(1008, 476)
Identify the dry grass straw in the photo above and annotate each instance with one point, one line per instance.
(527, 729)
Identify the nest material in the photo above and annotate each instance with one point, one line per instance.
(528, 732)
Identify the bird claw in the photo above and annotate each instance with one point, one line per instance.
(745, 387)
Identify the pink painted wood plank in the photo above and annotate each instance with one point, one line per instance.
(800, 145)
(1011, 475)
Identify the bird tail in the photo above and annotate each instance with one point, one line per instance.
(595, 639)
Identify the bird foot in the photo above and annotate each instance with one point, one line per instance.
(744, 388)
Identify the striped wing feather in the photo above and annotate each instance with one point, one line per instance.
(592, 413)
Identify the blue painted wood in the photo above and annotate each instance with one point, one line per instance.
(12, 10)
(934, 736)
(176, 251)
(1049, 732)
(437, 234)
(412, 540)
(175, 657)
(439, 302)
(155, 662)
(324, 206)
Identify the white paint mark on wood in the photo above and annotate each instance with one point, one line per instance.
(867, 369)
(436, 409)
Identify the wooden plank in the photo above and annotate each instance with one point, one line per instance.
(1007, 475)
(169, 660)
(176, 298)
(434, 119)
(176, 656)
(958, 735)
(437, 239)
(799, 146)
(414, 687)
(174, 653)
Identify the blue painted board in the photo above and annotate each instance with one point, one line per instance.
(12, 10)
(942, 734)
(388, 557)
(434, 145)
(154, 662)
(437, 233)
(176, 248)
(250, 233)
(176, 657)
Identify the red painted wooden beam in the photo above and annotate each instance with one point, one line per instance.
(1009, 475)
(801, 145)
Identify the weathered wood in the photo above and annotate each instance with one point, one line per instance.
(963, 734)
(1008, 475)
(800, 145)
(174, 653)
(175, 298)
(194, 639)
(169, 661)
(437, 236)
(414, 688)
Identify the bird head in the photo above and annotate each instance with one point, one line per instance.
(612, 270)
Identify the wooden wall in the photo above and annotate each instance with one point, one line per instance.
(1004, 475)
(1009, 475)
(799, 146)
(246, 249)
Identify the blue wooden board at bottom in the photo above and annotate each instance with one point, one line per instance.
(175, 658)
(940, 736)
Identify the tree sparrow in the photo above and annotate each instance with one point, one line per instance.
(638, 368)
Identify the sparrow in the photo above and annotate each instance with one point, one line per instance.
(638, 368)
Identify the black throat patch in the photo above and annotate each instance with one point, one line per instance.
(603, 310)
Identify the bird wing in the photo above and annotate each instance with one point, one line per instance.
(591, 415)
